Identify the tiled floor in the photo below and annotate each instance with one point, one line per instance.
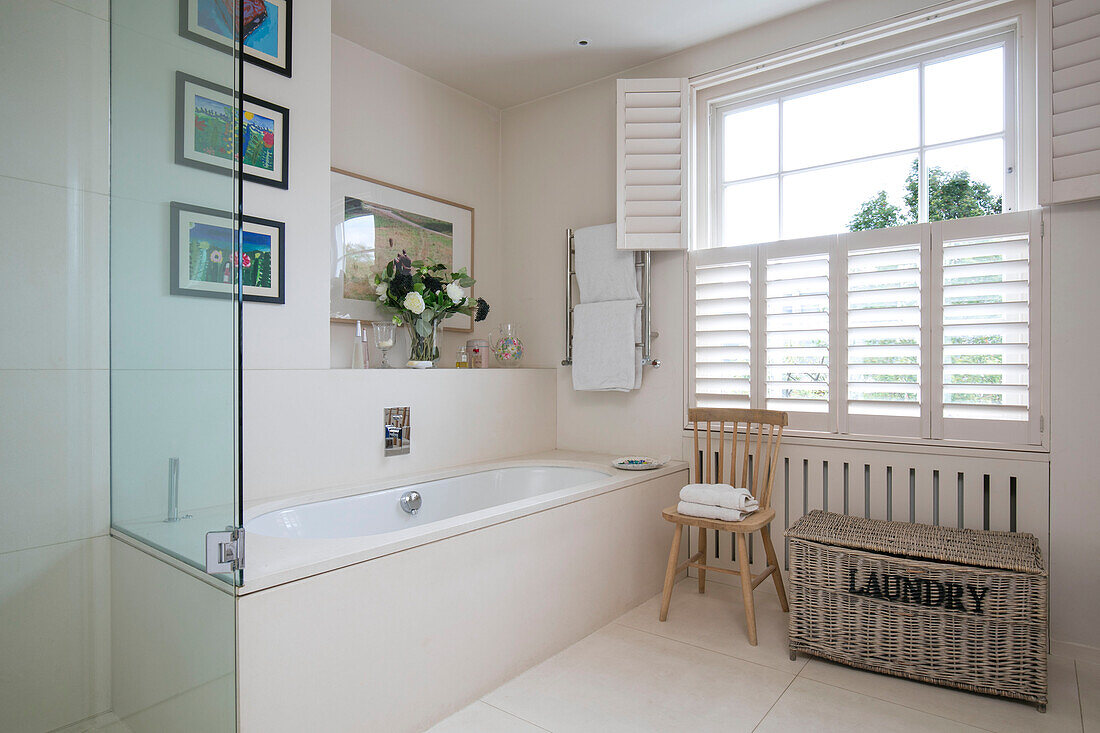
(697, 672)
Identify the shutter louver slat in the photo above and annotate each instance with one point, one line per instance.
(1070, 77)
(884, 331)
(723, 334)
(652, 122)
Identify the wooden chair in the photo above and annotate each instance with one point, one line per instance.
(769, 426)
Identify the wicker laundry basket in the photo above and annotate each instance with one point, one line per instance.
(957, 607)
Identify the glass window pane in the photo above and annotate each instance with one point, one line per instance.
(964, 97)
(750, 212)
(866, 118)
(966, 180)
(750, 140)
(870, 195)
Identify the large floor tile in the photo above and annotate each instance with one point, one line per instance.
(983, 711)
(621, 679)
(715, 620)
(484, 718)
(812, 706)
(1088, 686)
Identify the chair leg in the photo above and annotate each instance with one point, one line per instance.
(703, 552)
(746, 586)
(769, 549)
(670, 572)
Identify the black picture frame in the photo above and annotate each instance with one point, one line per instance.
(188, 287)
(186, 88)
(281, 66)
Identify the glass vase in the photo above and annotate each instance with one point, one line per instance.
(508, 348)
(423, 351)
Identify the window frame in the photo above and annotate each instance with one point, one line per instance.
(918, 59)
(821, 61)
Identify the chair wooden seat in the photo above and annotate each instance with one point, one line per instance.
(757, 475)
(751, 523)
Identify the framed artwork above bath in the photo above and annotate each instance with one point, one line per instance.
(203, 253)
(372, 222)
(206, 130)
(266, 29)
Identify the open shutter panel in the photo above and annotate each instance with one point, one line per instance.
(652, 160)
(1073, 102)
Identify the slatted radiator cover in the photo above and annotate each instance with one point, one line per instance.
(998, 491)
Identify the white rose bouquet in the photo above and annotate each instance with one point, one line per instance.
(421, 295)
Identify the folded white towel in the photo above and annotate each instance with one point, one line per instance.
(722, 495)
(706, 511)
(604, 358)
(603, 271)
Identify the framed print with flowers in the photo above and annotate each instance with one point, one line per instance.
(203, 255)
(373, 223)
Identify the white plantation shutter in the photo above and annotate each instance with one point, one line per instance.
(652, 154)
(987, 310)
(723, 332)
(797, 332)
(926, 331)
(884, 326)
(1069, 100)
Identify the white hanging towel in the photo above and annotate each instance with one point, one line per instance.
(603, 346)
(603, 272)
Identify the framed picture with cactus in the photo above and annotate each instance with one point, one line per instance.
(205, 262)
(374, 223)
(207, 134)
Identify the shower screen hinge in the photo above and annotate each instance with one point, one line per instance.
(225, 550)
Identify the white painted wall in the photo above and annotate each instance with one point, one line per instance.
(558, 172)
(54, 477)
(1074, 427)
(308, 426)
(396, 125)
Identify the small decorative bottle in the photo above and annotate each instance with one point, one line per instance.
(508, 347)
(359, 347)
(463, 361)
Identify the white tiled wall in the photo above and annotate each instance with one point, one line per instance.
(312, 429)
(54, 478)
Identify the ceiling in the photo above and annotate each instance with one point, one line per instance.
(506, 52)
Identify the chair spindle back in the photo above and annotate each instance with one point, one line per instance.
(768, 425)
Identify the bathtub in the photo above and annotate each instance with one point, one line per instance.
(380, 512)
(390, 621)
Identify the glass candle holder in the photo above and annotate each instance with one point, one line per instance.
(384, 336)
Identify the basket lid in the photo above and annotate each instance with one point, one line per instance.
(980, 548)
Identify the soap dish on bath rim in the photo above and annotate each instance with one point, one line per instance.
(639, 463)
